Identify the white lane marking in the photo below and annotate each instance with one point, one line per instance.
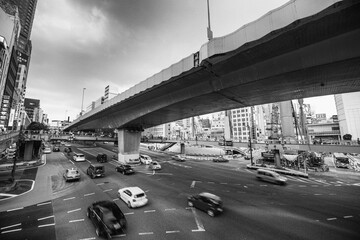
(88, 194)
(15, 225)
(39, 219)
(8, 195)
(263, 185)
(211, 182)
(65, 199)
(87, 238)
(348, 216)
(148, 211)
(147, 191)
(115, 199)
(245, 187)
(107, 190)
(170, 209)
(340, 182)
(46, 225)
(100, 184)
(146, 233)
(75, 210)
(318, 194)
(302, 186)
(331, 219)
(129, 213)
(200, 226)
(223, 183)
(173, 231)
(14, 230)
(71, 162)
(77, 220)
(249, 171)
(45, 203)
(14, 209)
(88, 161)
(192, 184)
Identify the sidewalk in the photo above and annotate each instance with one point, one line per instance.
(6, 186)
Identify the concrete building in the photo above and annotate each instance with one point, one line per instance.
(161, 131)
(324, 132)
(348, 111)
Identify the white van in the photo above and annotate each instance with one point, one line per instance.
(270, 176)
(78, 157)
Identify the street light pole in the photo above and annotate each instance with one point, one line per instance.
(82, 102)
(209, 32)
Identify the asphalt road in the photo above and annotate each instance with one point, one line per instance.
(321, 207)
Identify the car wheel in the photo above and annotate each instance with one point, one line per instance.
(123, 172)
(92, 176)
(97, 231)
(210, 213)
(190, 204)
(129, 204)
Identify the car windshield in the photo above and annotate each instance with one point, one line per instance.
(139, 195)
(80, 155)
(73, 172)
(127, 166)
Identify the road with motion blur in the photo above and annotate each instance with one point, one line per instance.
(321, 207)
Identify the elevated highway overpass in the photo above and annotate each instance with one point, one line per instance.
(301, 49)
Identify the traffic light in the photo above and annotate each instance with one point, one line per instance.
(10, 153)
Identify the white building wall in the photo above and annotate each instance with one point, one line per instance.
(348, 110)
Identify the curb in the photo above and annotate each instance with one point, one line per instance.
(291, 173)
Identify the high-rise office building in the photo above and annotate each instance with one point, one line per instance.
(348, 111)
(25, 11)
(30, 107)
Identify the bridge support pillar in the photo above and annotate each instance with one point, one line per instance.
(128, 145)
(182, 148)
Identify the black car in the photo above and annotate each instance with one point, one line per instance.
(207, 202)
(125, 169)
(101, 157)
(108, 219)
(220, 159)
(96, 170)
(56, 149)
(67, 149)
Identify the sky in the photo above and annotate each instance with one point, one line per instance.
(94, 43)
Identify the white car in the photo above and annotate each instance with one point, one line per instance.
(270, 176)
(154, 165)
(133, 196)
(78, 157)
(47, 150)
(145, 159)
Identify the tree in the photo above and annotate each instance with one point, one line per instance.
(347, 136)
(37, 126)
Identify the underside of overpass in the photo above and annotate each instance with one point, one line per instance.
(314, 56)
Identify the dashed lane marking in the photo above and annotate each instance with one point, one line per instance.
(331, 219)
(77, 220)
(14, 209)
(149, 211)
(146, 233)
(11, 226)
(88, 194)
(75, 210)
(66, 199)
(129, 213)
(13, 230)
(45, 203)
(173, 231)
(348, 216)
(40, 219)
(46, 225)
(170, 209)
(107, 190)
